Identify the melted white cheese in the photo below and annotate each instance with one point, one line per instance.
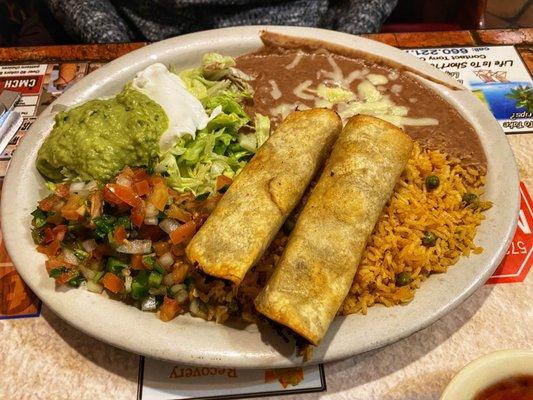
(295, 61)
(185, 113)
(275, 92)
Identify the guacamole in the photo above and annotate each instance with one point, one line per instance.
(97, 139)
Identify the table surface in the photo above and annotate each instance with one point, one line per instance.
(46, 358)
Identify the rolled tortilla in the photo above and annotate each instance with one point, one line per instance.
(316, 270)
(255, 206)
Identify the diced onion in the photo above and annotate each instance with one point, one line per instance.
(169, 225)
(151, 221)
(135, 247)
(166, 260)
(127, 284)
(168, 280)
(92, 185)
(87, 273)
(70, 257)
(122, 180)
(151, 210)
(89, 245)
(149, 304)
(94, 287)
(76, 187)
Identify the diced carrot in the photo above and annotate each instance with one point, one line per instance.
(124, 193)
(155, 179)
(159, 196)
(120, 234)
(183, 232)
(223, 182)
(112, 282)
(142, 188)
(161, 247)
(176, 212)
(169, 309)
(137, 262)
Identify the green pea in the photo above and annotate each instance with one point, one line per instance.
(470, 198)
(429, 239)
(432, 182)
(403, 278)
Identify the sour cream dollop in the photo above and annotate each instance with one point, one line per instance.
(185, 113)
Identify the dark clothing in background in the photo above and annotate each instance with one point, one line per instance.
(105, 21)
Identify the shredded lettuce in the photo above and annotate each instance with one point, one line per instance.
(229, 140)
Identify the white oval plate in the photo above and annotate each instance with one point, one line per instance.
(194, 341)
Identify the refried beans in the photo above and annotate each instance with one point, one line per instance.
(286, 78)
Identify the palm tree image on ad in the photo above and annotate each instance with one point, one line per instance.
(507, 100)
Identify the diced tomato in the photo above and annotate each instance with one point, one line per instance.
(183, 232)
(74, 209)
(210, 203)
(120, 234)
(137, 215)
(124, 193)
(161, 247)
(48, 203)
(151, 232)
(223, 181)
(137, 262)
(169, 309)
(178, 250)
(101, 250)
(179, 271)
(48, 236)
(142, 188)
(97, 204)
(62, 190)
(159, 196)
(140, 174)
(112, 282)
(52, 263)
(51, 249)
(176, 212)
(111, 197)
(59, 232)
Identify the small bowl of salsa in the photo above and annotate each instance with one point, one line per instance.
(502, 375)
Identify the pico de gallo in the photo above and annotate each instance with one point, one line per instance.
(128, 237)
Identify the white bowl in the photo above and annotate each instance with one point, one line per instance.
(194, 341)
(486, 371)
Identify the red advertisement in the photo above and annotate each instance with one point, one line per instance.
(517, 262)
